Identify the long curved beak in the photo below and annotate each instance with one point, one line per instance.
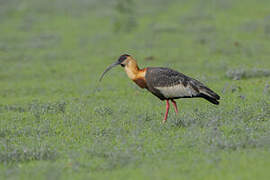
(108, 68)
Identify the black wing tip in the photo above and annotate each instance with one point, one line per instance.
(210, 92)
(217, 97)
(213, 100)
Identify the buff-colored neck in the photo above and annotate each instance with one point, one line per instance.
(132, 69)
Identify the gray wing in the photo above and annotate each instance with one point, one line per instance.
(167, 84)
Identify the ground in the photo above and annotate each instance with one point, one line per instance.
(58, 122)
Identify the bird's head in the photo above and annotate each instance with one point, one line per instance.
(122, 60)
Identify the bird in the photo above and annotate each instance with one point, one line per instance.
(165, 83)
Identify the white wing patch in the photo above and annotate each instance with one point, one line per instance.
(178, 90)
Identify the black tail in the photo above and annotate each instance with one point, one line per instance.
(205, 92)
(209, 98)
(209, 95)
(208, 92)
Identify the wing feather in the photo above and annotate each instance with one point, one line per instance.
(167, 83)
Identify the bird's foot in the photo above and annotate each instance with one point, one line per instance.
(164, 121)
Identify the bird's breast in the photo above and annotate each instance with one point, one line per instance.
(139, 78)
(140, 82)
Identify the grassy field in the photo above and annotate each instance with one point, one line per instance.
(58, 122)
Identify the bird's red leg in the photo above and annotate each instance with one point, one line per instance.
(175, 106)
(167, 111)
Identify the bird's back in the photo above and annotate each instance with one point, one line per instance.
(167, 83)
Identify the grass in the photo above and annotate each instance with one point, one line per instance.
(58, 122)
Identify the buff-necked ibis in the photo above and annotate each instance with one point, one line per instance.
(165, 83)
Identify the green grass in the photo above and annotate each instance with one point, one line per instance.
(58, 122)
